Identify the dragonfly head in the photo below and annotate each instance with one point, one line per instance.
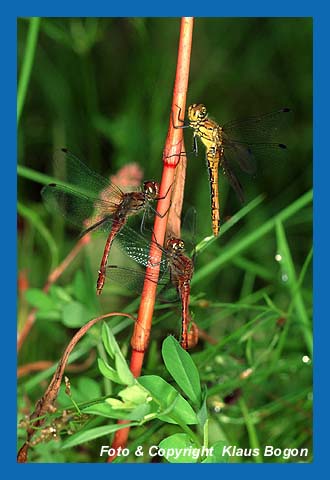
(197, 112)
(175, 245)
(151, 189)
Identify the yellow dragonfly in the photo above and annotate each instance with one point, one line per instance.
(240, 141)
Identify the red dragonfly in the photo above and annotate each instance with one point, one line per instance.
(94, 203)
(176, 268)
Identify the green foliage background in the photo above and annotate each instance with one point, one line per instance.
(103, 88)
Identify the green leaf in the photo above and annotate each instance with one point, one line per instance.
(124, 373)
(39, 299)
(87, 435)
(136, 404)
(88, 389)
(135, 394)
(168, 398)
(50, 315)
(109, 340)
(113, 408)
(175, 446)
(60, 294)
(218, 455)
(202, 413)
(180, 365)
(75, 315)
(107, 371)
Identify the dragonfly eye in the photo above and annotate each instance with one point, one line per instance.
(177, 245)
(202, 112)
(194, 112)
(151, 188)
(173, 244)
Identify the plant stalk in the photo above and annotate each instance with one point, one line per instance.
(172, 155)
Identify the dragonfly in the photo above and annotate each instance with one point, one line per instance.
(91, 202)
(176, 269)
(238, 141)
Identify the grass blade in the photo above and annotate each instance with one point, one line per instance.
(251, 237)
(293, 285)
(27, 64)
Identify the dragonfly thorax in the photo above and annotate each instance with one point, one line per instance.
(131, 204)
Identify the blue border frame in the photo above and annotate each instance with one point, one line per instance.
(321, 165)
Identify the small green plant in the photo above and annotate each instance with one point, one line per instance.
(151, 398)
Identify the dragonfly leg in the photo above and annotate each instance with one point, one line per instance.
(143, 222)
(151, 208)
(180, 119)
(150, 264)
(145, 214)
(162, 198)
(160, 215)
(195, 145)
(92, 227)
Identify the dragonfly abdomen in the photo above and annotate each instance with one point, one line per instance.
(117, 225)
(184, 290)
(213, 156)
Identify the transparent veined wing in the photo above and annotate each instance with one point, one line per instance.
(79, 209)
(241, 154)
(232, 179)
(69, 168)
(258, 129)
(137, 247)
(133, 281)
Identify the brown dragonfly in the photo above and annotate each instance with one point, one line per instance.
(239, 141)
(92, 202)
(176, 269)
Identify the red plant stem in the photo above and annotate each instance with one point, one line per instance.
(54, 275)
(171, 157)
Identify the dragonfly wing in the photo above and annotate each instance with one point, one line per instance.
(232, 178)
(79, 209)
(240, 154)
(137, 247)
(168, 293)
(133, 280)
(188, 229)
(259, 129)
(130, 279)
(75, 172)
(263, 151)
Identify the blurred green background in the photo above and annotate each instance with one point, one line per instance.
(103, 88)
